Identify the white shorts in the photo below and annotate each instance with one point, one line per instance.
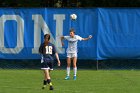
(71, 55)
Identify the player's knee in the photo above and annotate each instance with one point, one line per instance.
(74, 65)
(68, 65)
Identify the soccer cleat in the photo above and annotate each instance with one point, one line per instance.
(67, 78)
(44, 87)
(51, 88)
(74, 77)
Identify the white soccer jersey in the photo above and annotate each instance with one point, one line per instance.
(72, 43)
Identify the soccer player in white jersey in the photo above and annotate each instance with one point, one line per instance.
(72, 51)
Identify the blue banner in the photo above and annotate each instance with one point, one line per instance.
(118, 33)
(115, 32)
(22, 31)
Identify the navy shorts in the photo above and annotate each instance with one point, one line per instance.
(47, 64)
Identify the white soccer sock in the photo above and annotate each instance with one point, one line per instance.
(75, 71)
(68, 71)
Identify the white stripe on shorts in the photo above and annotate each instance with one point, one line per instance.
(46, 68)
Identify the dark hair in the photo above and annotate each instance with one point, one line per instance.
(47, 35)
(72, 30)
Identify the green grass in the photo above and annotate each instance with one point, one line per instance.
(88, 81)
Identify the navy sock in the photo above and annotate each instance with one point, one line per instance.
(49, 82)
(45, 82)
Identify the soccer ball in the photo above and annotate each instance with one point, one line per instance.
(73, 16)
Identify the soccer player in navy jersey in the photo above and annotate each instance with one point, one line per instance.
(48, 51)
(72, 51)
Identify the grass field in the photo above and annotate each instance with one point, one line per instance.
(88, 81)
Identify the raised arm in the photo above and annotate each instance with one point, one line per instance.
(89, 37)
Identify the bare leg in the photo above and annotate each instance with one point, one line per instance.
(74, 62)
(46, 74)
(68, 62)
(47, 79)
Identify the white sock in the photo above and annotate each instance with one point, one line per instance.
(68, 71)
(75, 71)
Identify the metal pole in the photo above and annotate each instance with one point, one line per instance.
(97, 65)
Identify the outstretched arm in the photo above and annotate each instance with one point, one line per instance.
(89, 37)
(57, 57)
(62, 38)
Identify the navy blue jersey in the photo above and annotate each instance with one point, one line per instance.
(48, 51)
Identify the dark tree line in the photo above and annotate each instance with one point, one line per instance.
(69, 3)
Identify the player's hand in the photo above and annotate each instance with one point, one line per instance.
(90, 36)
(59, 63)
(62, 44)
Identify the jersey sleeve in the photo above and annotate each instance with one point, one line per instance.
(66, 37)
(79, 38)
